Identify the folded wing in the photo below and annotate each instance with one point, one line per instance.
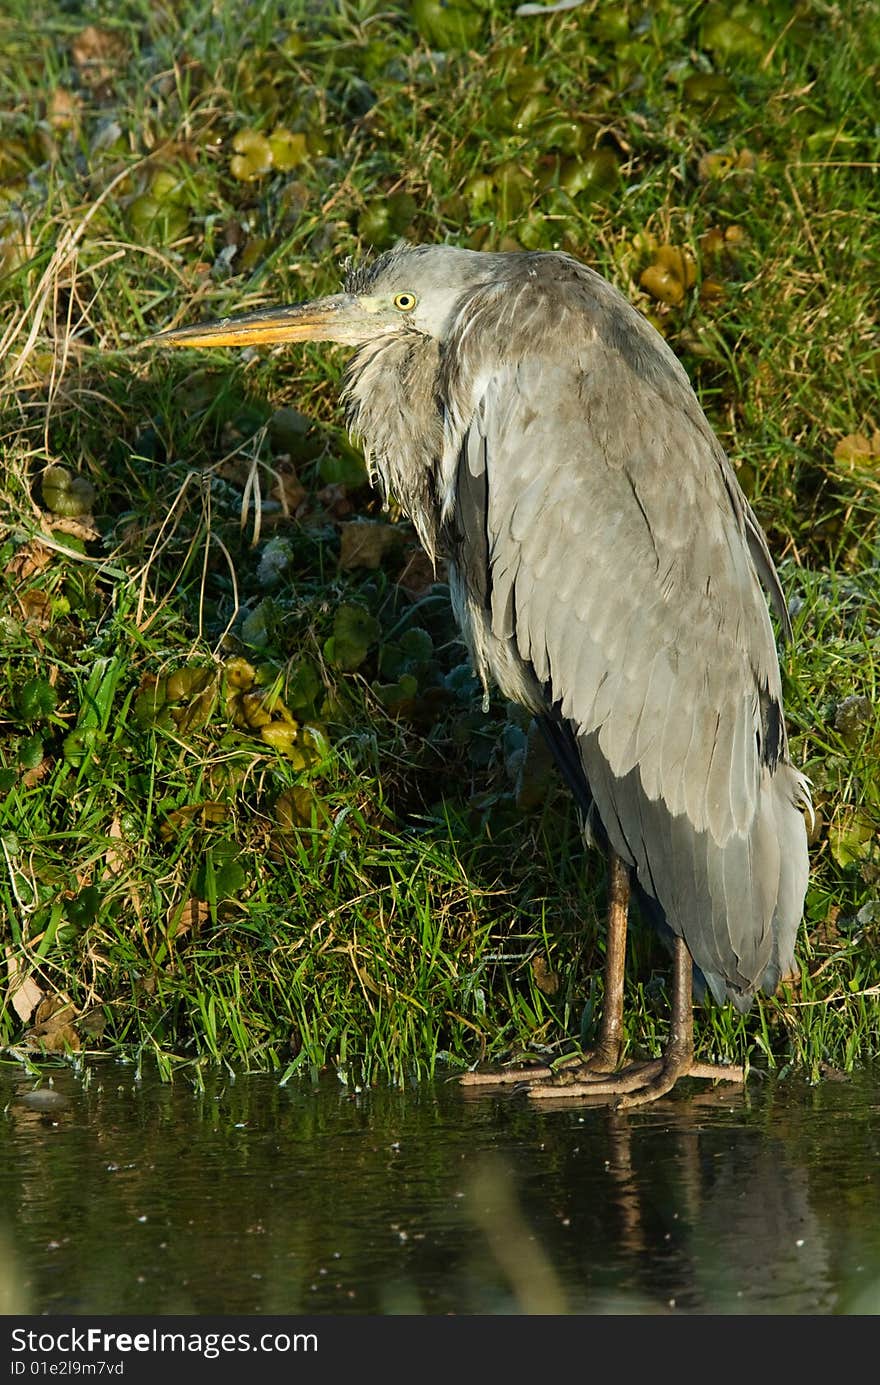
(618, 556)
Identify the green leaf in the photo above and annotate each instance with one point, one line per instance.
(303, 685)
(36, 699)
(354, 630)
(30, 752)
(851, 837)
(343, 467)
(83, 909)
(417, 645)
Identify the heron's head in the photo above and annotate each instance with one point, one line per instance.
(410, 288)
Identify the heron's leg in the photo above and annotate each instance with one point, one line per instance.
(678, 1055)
(641, 1083)
(605, 1056)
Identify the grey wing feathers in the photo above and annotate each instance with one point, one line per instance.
(624, 563)
(758, 549)
(635, 601)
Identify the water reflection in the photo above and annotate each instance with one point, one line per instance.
(134, 1197)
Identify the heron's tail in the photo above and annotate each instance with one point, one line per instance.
(791, 800)
(737, 903)
(785, 800)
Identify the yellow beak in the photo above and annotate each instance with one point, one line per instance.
(338, 318)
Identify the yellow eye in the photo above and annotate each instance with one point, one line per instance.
(405, 302)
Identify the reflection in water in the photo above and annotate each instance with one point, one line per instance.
(720, 1222)
(134, 1197)
(771, 1198)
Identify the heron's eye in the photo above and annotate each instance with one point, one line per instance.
(405, 302)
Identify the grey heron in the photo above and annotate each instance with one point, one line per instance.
(606, 572)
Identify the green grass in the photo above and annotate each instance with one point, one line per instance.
(388, 880)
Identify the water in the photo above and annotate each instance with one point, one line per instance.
(134, 1197)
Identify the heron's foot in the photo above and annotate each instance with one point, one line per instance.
(634, 1085)
(604, 1058)
(506, 1076)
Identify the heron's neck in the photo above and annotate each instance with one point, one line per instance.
(392, 407)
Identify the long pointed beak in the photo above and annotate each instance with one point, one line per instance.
(325, 319)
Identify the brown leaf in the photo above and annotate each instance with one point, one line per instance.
(31, 558)
(36, 608)
(546, 979)
(188, 918)
(63, 109)
(79, 528)
(98, 54)
(53, 1029)
(22, 991)
(364, 544)
(236, 469)
(33, 776)
(207, 814)
(858, 449)
(56, 1038)
(114, 858)
(288, 490)
(418, 574)
(334, 498)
